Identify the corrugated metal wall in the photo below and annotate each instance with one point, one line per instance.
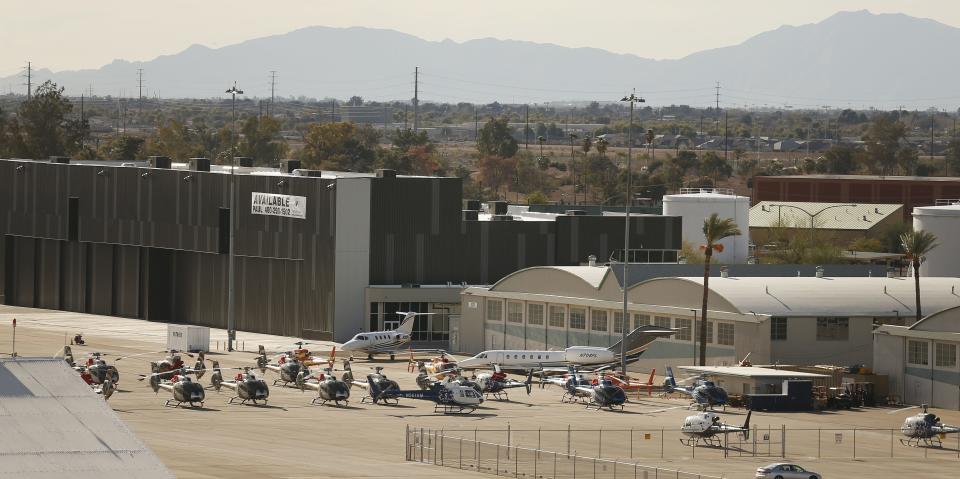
(148, 246)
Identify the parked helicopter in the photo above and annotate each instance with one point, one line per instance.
(602, 395)
(247, 386)
(301, 354)
(704, 393)
(287, 366)
(924, 429)
(102, 377)
(449, 397)
(496, 383)
(439, 366)
(706, 427)
(328, 387)
(384, 385)
(172, 362)
(179, 384)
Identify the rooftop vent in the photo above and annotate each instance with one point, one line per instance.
(724, 272)
(497, 207)
(159, 162)
(310, 173)
(592, 260)
(60, 159)
(243, 161)
(576, 213)
(469, 215)
(289, 166)
(385, 173)
(819, 271)
(200, 164)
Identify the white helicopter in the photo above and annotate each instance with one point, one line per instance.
(247, 386)
(924, 429)
(383, 342)
(706, 427)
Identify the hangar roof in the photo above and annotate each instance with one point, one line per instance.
(750, 372)
(54, 425)
(812, 296)
(839, 216)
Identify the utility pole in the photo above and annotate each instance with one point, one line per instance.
(625, 320)
(476, 124)
(405, 127)
(140, 89)
(725, 136)
(231, 282)
(29, 80)
(273, 84)
(416, 99)
(718, 98)
(526, 127)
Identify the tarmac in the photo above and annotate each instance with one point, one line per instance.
(290, 438)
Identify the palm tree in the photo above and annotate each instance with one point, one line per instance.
(714, 230)
(916, 244)
(601, 146)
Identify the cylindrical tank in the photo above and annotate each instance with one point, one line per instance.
(695, 205)
(944, 222)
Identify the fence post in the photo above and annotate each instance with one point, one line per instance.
(442, 451)
(498, 460)
(726, 445)
(476, 447)
(508, 440)
(661, 443)
(574, 464)
(568, 441)
(554, 465)
(854, 443)
(539, 430)
(600, 443)
(631, 442)
(435, 448)
(891, 444)
(536, 459)
(755, 430)
(783, 441)
(516, 462)
(461, 454)
(594, 468)
(421, 444)
(818, 443)
(406, 442)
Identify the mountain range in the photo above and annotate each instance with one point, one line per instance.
(851, 59)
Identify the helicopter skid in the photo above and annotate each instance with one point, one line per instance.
(244, 401)
(178, 403)
(336, 402)
(923, 442)
(385, 401)
(570, 398)
(704, 441)
(501, 396)
(454, 409)
(599, 407)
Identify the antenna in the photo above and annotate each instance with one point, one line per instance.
(140, 89)
(416, 99)
(29, 80)
(273, 84)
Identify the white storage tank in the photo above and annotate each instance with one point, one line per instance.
(944, 222)
(696, 204)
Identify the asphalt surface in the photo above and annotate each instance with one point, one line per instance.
(290, 438)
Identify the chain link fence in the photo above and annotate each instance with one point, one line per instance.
(644, 444)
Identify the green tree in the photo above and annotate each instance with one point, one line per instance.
(916, 245)
(537, 198)
(601, 146)
(714, 230)
(403, 139)
(882, 140)
(714, 166)
(124, 148)
(339, 146)
(261, 139)
(952, 156)
(496, 139)
(841, 159)
(42, 127)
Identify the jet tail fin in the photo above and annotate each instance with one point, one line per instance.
(406, 326)
(638, 339)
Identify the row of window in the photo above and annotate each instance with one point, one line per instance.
(828, 329)
(600, 320)
(944, 354)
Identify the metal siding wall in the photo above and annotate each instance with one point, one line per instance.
(24, 270)
(73, 287)
(126, 281)
(48, 270)
(100, 278)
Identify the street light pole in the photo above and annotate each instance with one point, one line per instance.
(231, 281)
(693, 336)
(633, 99)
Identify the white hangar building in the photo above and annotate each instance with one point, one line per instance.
(921, 360)
(787, 320)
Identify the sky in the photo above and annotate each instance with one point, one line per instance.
(71, 34)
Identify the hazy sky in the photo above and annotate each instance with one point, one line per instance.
(72, 34)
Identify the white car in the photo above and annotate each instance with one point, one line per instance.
(785, 471)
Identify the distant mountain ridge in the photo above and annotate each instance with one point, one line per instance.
(852, 59)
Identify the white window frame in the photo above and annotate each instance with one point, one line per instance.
(494, 310)
(921, 353)
(531, 317)
(940, 351)
(515, 312)
(599, 321)
(582, 321)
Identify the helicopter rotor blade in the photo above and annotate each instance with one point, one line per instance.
(903, 409)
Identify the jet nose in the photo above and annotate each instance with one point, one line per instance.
(349, 345)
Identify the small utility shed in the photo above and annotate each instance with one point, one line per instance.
(750, 380)
(921, 360)
(842, 222)
(52, 425)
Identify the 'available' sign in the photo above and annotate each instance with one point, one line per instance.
(278, 205)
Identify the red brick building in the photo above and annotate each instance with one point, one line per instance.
(908, 191)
